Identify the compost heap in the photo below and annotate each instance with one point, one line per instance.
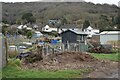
(66, 60)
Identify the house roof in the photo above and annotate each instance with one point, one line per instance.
(76, 32)
(47, 26)
(38, 32)
(22, 26)
(110, 32)
(89, 28)
(69, 26)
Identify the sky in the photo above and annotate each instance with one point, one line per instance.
(94, 1)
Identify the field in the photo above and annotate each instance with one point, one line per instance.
(112, 57)
(16, 72)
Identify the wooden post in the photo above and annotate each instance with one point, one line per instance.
(52, 50)
(39, 51)
(68, 46)
(6, 47)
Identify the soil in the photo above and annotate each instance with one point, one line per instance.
(76, 60)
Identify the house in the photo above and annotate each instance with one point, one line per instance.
(48, 29)
(90, 31)
(74, 36)
(35, 27)
(68, 26)
(21, 27)
(24, 27)
(107, 36)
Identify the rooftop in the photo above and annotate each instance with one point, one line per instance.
(77, 32)
(110, 32)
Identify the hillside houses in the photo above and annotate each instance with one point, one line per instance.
(62, 28)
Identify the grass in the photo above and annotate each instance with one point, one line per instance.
(14, 71)
(112, 57)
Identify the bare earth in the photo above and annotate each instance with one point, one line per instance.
(76, 60)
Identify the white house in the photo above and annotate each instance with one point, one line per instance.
(48, 29)
(90, 31)
(106, 36)
(21, 27)
(24, 27)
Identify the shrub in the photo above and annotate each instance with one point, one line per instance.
(12, 54)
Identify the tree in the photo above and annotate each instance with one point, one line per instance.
(29, 34)
(63, 21)
(86, 24)
(29, 18)
(4, 29)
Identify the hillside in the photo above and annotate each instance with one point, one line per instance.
(73, 12)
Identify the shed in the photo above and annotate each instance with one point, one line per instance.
(73, 36)
(106, 36)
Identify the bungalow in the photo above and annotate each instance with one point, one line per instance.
(24, 27)
(73, 36)
(48, 29)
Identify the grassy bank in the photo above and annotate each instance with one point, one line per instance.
(14, 71)
(112, 57)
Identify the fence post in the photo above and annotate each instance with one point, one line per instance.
(39, 51)
(68, 46)
(6, 47)
(63, 48)
(52, 50)
(79, 47)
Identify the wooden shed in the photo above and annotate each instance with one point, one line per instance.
(73, 36)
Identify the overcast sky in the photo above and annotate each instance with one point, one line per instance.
(94, 1)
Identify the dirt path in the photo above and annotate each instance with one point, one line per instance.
(109, 70)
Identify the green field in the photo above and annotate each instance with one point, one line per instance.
(14, 71)
(112, 57)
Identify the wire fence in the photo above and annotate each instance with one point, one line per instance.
(60, 47)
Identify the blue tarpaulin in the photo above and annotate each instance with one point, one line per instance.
(54, 41)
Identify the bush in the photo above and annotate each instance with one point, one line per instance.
(15, 62)
(12, 54)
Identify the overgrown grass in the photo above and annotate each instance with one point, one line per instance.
(14, 71)
(112, 57)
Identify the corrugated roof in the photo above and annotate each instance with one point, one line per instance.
(110, 32)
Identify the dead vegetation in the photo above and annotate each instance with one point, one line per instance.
(66, 60)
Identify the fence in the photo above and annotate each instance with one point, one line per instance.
(60, 47)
